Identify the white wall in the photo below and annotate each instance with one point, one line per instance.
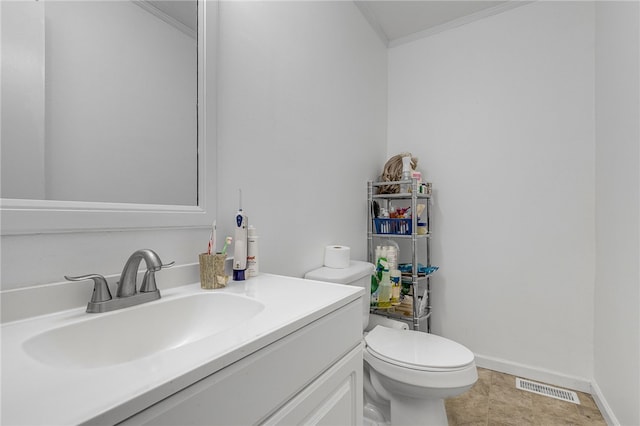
(500, 114)
(617, 289)
(302, 125)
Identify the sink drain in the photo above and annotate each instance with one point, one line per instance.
(546, 390)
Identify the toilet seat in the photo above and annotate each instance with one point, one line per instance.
(420, 359)
(416, 350)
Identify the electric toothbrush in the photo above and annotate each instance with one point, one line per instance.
(240, 245)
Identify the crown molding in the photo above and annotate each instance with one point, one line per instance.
(371, 18)
(149, 7)
(482, 14)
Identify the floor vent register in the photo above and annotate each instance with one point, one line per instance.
(546, 390)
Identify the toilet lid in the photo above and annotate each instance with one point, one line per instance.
(417, 350)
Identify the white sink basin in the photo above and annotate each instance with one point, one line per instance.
(117, 337)
(71, 367)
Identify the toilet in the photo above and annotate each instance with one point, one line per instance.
(407, 374)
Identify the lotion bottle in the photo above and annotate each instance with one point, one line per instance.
(252, 252)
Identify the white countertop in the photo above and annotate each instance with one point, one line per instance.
(34, 393)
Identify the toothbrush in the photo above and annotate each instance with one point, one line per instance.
(227, 241)
(215, 232)
(212, 239)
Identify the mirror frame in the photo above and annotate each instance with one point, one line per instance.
(20, 217)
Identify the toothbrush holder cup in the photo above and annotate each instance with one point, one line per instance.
(212, 273)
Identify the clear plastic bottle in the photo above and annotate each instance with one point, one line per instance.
(384, 296)
(396, 278)
(405, 188)
(391, 251)
(392, 256)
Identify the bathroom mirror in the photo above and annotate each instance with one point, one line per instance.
(104, 114)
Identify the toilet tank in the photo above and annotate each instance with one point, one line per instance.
(357, 273)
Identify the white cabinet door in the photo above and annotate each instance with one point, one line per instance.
(335, 398)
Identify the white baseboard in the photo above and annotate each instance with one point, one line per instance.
(603, 406)
(552, 378)
(534, 373)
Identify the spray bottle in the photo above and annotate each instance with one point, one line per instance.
(240, 245)
(384, 288)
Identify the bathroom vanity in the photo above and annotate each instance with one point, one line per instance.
(269, 350)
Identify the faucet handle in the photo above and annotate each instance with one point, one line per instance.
(101, 291)
(149, 280)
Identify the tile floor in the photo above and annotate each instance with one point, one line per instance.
(494, 400)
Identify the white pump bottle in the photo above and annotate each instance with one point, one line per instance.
(252, 253)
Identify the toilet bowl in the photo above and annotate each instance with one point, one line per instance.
(407, 374)
(415, 372)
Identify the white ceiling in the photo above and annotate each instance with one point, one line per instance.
(399, 21)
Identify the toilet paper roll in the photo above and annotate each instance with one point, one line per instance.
(337, 256)
(385, 322)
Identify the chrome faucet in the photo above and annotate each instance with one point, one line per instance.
(127, 283)
(126, 291)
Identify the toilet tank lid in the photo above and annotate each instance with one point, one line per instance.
(353, 272)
